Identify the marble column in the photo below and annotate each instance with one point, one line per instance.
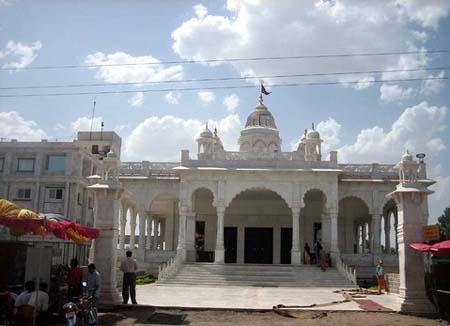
(376, 232)
(181, 247)
(190, 235)
(334, 241)
(326, 232)
(162, 234)
(148, 243)
(142, 219)
(219, 253)
(105, 246)
(363, 238)
(123, 222)
(410, 199)
(296, 252)
(132, 229)
(155, 233)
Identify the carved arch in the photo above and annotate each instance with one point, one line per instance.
(282, 194)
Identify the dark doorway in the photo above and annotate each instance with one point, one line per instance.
(258, 246)
(317, 232)
(230, 244)
(286, 245)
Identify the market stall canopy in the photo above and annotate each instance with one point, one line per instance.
(441, 248)
(23, 221)
(420, 246)
(438, 249)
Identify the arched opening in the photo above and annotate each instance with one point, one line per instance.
(389, 228)
(160, 223)
(258, 228)
(201, 231)
(354, 226)
(314, 229)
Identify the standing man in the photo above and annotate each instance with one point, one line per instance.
(379, 272)
(93, 283)
(129, 267)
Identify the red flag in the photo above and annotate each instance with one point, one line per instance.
(263, 90)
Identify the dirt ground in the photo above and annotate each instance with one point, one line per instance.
(149, 316)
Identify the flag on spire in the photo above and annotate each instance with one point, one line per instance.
(263, 90)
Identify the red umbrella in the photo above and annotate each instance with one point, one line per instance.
(441, 248)
(420, 246)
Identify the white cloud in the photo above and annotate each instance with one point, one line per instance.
(200, 11)
(19, 55)
(433, 86)
(231, 102)
(84, 124)
(206, 97)
(137, 100)
(131, 71)
(14, 126)
(174, 134)
(292, 27)
(329, 131)
(394, 93)
(172, 97)
(426, 13)
(418, 128)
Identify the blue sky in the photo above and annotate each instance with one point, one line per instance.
(367, 122)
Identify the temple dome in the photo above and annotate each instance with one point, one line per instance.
(313, 134)
(206, 133)
(261, 117)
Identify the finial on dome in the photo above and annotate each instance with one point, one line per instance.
(215, 132)
(261, 100)
(206, 124)
(312, 126)
(305, 132)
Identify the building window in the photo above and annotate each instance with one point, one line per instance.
(56, 163)
(2, 163)
(25, 165)
(23, 194)
(94, 149)
(55, 194)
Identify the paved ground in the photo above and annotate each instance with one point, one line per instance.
(148, 316)
(240, 297)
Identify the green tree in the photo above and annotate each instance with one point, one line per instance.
(444, 224)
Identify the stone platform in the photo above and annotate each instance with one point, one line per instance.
(256, 298)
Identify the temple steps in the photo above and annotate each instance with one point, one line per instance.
(208, 274)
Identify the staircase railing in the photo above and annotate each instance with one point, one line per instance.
(348, 272)
(169, 268)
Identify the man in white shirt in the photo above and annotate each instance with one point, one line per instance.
(39, 300)
(93, 283)
(129, 267)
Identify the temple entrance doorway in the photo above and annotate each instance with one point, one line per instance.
(230, 244)
(258, 246)
(286, 245)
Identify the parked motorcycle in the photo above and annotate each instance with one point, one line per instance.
(82, 311)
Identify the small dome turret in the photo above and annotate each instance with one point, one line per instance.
(407, 156)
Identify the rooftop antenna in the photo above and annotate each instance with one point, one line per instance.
(92, 120)
(101, 130)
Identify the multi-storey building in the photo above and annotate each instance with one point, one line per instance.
(51, 178)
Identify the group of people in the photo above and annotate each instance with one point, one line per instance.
(22, 307)
(31, 302)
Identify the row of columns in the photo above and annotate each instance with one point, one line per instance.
(153, 224)
(187, 230)
(372, 231)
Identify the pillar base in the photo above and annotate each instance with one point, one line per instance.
(181, 252)
(296, 257)
(421, 306)
(109, 297)
(219, 256)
